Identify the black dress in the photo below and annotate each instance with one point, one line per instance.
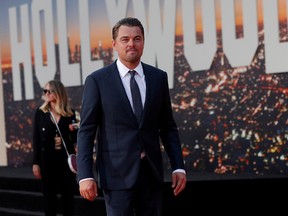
(57, 178)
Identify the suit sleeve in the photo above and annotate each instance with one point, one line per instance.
(169, 131)
(90, 117)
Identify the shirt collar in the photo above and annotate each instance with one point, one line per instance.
(123, 70)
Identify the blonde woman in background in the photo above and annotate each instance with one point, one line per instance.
(49, 156)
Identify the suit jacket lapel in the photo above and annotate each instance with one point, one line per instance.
(149, 89)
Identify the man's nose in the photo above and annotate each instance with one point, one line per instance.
(131, 42)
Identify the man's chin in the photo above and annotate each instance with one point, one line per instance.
(133, 59)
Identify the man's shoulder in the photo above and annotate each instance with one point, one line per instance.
(148, 67)
(152, 71)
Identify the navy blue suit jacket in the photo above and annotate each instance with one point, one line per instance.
(106, 110)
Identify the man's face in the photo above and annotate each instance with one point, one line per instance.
(129, 44)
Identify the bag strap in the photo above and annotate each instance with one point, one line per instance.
(59, 132)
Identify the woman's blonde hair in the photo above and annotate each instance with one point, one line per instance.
(62, 105)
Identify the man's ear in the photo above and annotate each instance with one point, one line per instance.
(113, 45)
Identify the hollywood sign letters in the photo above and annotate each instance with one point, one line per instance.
(159, 38)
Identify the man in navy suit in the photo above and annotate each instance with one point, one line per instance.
(129, 161)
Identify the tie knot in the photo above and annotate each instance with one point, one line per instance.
(132, 72)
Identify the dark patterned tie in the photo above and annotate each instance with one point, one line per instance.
(136, 97)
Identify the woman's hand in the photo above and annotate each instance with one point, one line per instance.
(73, 126)
(36, 171)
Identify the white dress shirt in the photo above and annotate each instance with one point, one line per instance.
(139, 77)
